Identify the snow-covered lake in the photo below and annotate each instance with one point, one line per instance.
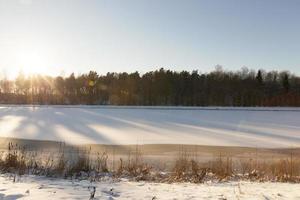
(255, 127)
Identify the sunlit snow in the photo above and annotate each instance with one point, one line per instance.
(30, 187)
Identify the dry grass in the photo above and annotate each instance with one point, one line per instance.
(134, 166)
(187, 167)
(14, 160)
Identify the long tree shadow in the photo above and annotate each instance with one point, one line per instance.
(11, 196)
(45, 123)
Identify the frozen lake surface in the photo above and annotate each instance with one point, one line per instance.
(254, 127)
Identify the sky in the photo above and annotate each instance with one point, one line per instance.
(57, 37)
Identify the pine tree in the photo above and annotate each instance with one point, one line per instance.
(259, 77)
(286, 83)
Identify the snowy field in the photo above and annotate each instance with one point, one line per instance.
(30, 187)
(254, 127)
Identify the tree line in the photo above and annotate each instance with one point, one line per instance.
(244, 87)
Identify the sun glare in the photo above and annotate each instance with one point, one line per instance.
(33, 62)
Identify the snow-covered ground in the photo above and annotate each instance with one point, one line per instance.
(256, 127)
(30, 187)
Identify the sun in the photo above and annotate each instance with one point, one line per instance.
(32, 62)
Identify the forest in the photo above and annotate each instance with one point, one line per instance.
(244, 87)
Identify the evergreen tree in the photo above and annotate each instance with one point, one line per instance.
(259, 77)
(286, 83)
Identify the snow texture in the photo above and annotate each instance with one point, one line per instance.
(254, 127)
(31, 187)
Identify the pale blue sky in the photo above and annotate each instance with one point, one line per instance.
(51, 36)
